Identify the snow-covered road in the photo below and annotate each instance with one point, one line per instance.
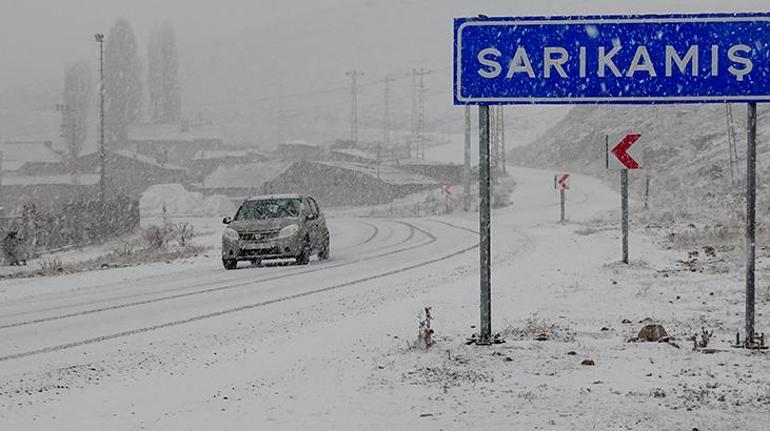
(189, 345)
(79, 310)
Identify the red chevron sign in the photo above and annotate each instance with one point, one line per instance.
(560, 182)
(621, 151)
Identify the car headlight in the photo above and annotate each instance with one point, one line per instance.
(288, 231)
(230, 235)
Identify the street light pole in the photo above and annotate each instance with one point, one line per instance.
(102, 156)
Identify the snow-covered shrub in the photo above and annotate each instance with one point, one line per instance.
(184, 233)
(535, 326)
(156, 237)
(126, 248)
(50, 266)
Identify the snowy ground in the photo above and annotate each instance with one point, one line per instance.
(188, 345)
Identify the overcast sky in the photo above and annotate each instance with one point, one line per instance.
(243, 50)
(37, 37)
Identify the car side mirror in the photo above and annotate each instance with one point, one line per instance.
(227, 220)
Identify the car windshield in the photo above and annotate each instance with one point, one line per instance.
(269, 209)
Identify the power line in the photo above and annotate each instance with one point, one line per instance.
(354, 74)
(386, 113)
(281, 118)
(340, 89)
(420, 120)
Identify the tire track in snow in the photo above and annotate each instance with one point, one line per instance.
(200, 317)
(375, 232)
(431, 239)
(98, 287)
(186, 287)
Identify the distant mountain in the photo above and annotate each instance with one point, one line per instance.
(685, 152)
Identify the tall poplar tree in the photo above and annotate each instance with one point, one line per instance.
(163, 76)
(77, 99)
(122, 84)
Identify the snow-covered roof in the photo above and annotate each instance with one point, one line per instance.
(424, 162)
(174, 132)
(388, 174)
(275, 196)
(149, 160)
(302, 143)
(244, 176)
(29, 180)
(355, 152)
(221, 154)
(17, 153)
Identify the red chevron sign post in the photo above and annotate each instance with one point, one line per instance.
(560, 183)
(621, 152)
(624, 159)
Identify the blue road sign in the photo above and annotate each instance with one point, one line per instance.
(612, 59)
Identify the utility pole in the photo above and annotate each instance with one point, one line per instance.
(502, 138)
(281, 118)
(2, 201)
(386, 113)
(354, 74)
(385, 134)
(67, 129)
(102, 156)
(412, 115)
(420, 133)
(734, 172)
(467, 165)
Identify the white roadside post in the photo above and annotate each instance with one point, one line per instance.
(624, 211)
(560, 183)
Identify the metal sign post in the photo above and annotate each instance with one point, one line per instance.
(485, 331)
(624, 211)
(751, 199)
(704, 58)
(625, 161)
(467, 160)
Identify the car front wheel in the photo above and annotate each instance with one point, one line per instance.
(304, 255)
(324, 253)
(229, 263)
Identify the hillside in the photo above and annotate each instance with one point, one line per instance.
(685, 153)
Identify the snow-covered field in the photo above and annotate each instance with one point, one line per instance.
(188, 345)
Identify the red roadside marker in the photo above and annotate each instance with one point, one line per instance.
(621, 152)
